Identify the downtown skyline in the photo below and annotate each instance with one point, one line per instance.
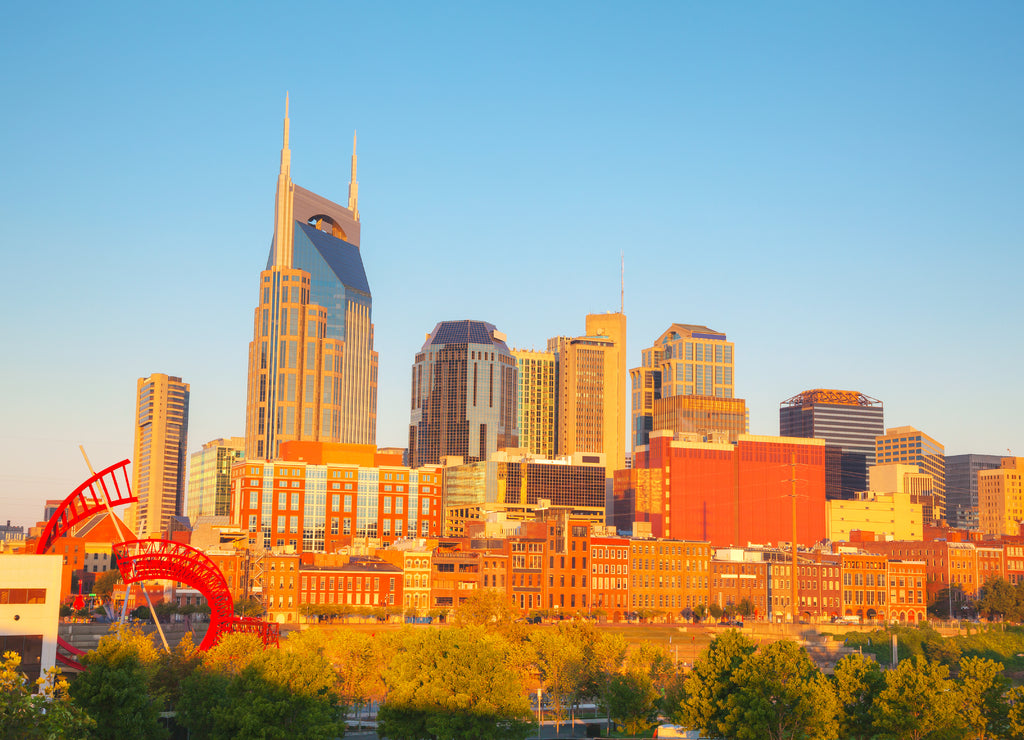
(836, 190)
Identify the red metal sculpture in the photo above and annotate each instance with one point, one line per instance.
(86, 500)
(154, 559)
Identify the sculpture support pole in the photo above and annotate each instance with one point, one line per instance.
(120, 535)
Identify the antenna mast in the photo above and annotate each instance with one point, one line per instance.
(622, 282)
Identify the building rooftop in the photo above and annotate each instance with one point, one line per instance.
(465, 332)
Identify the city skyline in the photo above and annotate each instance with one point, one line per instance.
(837, 190)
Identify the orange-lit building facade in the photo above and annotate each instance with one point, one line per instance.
(318, 497)
(360, 582)
(610, 575)
(865, 588)
(736, 576)
(455, 575)
(819, 580)
(567, 590)
(669, 575)
(908, 597)
(725, 494)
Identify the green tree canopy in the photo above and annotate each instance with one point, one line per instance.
(40, 710)
(709, 684)
(979, 697)
(999, 599)
(115, 687)
(918, 702)
(451, 684)
(248, 608)
(632, 699)
(779, 693)
(487, 607)
(574, 660)
(242, 690)
(858, 680)
(105, 582)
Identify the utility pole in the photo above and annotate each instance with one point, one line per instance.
(120, 536)
(792, 495)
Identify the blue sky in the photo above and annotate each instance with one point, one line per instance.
(837, 186)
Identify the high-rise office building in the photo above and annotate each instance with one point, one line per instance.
(1001, 498)
(209, 477)
(312, 366)
(518, 485)
(713, 419)
(962, 487)
(849, 422)
(912, 446)
(464, 394)
(686, 360)
(538, 398)
(161, 444)
(592, 389)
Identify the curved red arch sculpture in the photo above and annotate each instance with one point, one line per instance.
(86, 500)
(155, 559)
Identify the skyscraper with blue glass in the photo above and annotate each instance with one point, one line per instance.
(312, 366)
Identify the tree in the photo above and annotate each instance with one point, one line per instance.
(574, 660)
(248, 608)
(918, 701)
(716, 611)
(746, 607)
(105, 582)
(631, 699)
(857, 680)
(356, 658)
(700, 612)
(1015, 713)
(560, 664)
(779, 693)
(243, 690)
(486, 607)
(941, 650)
(979, 697)
(999, 599)
(40, 710)
(174, 667)
(115, 687)
(453, 683)
(652, 661)
(673, 699)
(709, 684)
(947, 602)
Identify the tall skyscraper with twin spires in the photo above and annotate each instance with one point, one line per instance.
(312, 366)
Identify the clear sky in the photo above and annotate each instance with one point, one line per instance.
(836, 186)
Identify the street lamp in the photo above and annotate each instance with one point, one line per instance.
(538, 710)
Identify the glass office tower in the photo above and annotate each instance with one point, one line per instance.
(464, 394)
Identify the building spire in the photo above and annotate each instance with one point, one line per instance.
(353, 184)
(284, 229)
